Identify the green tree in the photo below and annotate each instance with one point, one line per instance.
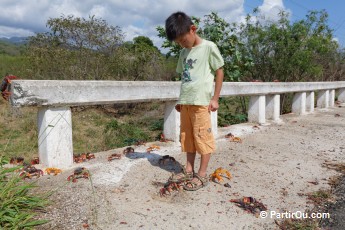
(141, 60)
(287, 51)
(74, 48)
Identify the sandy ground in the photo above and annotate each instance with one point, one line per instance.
(275, 164)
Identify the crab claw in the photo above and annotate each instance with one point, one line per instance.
(22, 174)
(164, 192)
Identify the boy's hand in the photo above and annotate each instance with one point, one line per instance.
(213, 106)
(178, 107)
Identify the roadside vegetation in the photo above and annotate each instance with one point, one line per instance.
(90, 49)
(18, 206)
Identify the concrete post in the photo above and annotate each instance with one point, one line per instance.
(256, 111)
(323, 99)
(341, 96)
(55, 137)
(310, 101)
(214, 123)
(299, 103)
(171, 127)
(331, 97)
(273, 107)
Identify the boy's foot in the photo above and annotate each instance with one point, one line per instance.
(181, 177)
(196, 183)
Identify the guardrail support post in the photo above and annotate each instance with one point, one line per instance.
(256, 111)
(299, 103)
(171, 127)
(331, 97)
(55, 144)
(341, 96)
(172, 121)
(310, 101)
(323, 99)
(273, 107)
(214, 123)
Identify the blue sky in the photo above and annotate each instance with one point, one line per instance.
(298, 10)
(25, 18)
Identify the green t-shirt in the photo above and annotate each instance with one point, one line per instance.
(197, 67)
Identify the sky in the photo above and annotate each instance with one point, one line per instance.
(140, 17)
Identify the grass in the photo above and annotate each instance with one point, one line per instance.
(18, 206)
(95, 128)
(19, 132)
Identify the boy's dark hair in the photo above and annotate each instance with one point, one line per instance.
(177, 24)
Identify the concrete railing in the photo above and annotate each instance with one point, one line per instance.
(54, 99)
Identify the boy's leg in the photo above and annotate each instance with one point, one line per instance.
(187, 145)
(190, 162)
(187, 140)
(202, 172)
(204, 142)
(205, 158)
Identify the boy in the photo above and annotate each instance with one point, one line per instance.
(198, 62)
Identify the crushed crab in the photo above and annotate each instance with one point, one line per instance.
(169, 187)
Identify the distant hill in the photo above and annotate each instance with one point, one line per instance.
(12, 46)
(15, 40)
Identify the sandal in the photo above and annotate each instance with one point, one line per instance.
(181, 177)
(193, 186)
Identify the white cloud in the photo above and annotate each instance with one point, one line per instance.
(271, 9)
(22, 17)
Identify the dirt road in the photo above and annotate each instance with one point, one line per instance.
(275, 164)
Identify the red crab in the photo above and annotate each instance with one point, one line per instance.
(30, 171)
(83, 157)
(80, 172)
(90, 156)
(163, 139)
(128, 150)
(35, 161)
(78, 158)
(140, 142)
(17, 160)
(5, 86)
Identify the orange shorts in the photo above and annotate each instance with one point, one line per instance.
(196, 131)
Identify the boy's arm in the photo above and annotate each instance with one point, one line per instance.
(213, 106)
